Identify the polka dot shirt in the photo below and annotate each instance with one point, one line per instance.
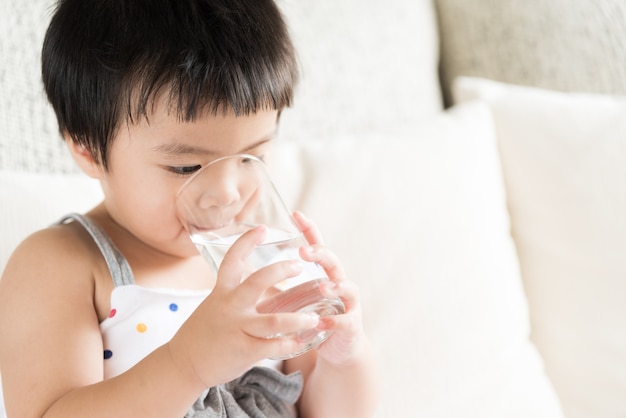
(142, 319)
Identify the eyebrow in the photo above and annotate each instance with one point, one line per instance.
(180, 149)
(184, 149)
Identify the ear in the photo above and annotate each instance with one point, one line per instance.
(83, 158)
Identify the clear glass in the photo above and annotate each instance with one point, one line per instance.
(232, 195)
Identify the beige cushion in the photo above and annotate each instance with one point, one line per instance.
(557, 44)
(564, 161)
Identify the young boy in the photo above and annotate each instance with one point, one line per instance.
(146, 92)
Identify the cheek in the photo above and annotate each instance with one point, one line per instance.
(144, 203)
(141, 194)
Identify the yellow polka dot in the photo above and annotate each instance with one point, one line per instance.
(141, 327)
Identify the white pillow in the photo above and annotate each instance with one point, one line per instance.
(420, 223)
(32, 201)
(564, 161)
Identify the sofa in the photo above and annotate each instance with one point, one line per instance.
(466, 159)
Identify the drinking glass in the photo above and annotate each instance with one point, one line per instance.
(234, 194)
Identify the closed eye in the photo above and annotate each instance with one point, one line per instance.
(248, 159)
(184, 170)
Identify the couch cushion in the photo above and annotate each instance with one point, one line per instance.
(421, 224)
(556, 44)
(564, 163)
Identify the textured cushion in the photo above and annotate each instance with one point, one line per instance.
(367, 65)
(29, 139)
(556, 44)
(420, 223)
(564, 162)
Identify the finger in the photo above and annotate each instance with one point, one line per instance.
(308, 228)
(346, 290)
(347, 324)
(280, 325)
(281, 347)
(233, 266)
(325, 258)
(263, 279)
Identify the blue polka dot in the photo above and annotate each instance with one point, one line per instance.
(173, 307)
(108, 354)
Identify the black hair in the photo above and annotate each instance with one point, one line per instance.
(109, 61)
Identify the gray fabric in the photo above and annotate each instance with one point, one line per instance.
(260, 393)
(118, 266)
(565, 45)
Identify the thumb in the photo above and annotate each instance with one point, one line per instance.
(234, 266)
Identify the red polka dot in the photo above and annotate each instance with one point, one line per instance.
(112, 313)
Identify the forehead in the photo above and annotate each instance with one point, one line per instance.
(221, 134)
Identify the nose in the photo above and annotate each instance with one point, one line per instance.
(222, 185)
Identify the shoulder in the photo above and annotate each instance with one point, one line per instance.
(54, 270)
(53, 247)
(50, 262)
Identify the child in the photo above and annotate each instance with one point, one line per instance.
(146, 92)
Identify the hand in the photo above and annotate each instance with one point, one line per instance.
(226, 336)
(347, 339)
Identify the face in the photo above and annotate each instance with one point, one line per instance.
(149, 162)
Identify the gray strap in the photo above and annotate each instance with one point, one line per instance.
(118, 266)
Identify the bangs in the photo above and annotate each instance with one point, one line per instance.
(196, 88)
(241, 62)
